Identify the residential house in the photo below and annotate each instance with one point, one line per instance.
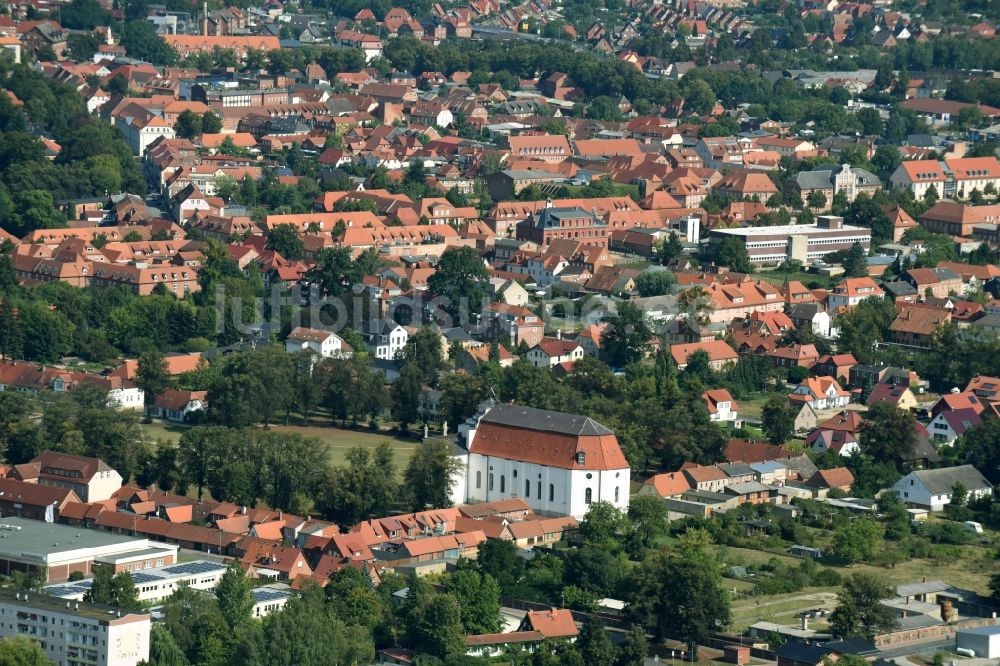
(932, 488)
(851, 291)
(177, 405)
(795, 355)
(948, 426)
(837, 366)
(812, 316)
(915, 326)
(899, 395)
(720, 404)
(837, 477)
(550, 352)
(720, 354)
(820, 393)
(91, 479)
(325, 344)
(384, 338)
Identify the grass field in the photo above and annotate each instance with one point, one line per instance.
(778, 278)
(338, 440)
(971, 571)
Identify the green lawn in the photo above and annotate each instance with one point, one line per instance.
(778, 278)
(338, 440)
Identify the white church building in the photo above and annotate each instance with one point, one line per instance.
(558, 463)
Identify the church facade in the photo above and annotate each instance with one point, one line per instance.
(558, 463)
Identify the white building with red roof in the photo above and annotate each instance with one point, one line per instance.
(557, 463)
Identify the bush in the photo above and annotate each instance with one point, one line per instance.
(947, 533)
(797, 374)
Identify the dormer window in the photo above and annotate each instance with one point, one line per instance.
(581, 458)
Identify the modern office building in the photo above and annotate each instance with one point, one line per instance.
(804, 242)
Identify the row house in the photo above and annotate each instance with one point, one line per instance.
(952, 178)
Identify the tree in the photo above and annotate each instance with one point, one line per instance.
(635, 647)
(605, 526)
(462, 279)
(234, 597)
(594, 644)
(655, 283)
(871, 122)
(673, 248)
(152, 377)
(305, 632)
(406, 392)
(478, 597)
(210, 123)
(113, 590)
(777, 420)
(429, 476)
(856, 263)
(980, 447)
(624, 340)
(816, 199)
(286, 240)
(163, 649)
(22, 651)
(434, 626)
(501, 560)
(648, 514)
(188, 125)
(679, 597)
(857, 541)
(859, 611)
(888, 433)
(141, 41)
(731, 252)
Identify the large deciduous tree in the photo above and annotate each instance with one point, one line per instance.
(859, 611)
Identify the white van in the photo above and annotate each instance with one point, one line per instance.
(973, 527)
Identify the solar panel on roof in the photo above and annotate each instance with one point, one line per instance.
(62, 590)
(194, 568)
(139, 578)
(269, 595)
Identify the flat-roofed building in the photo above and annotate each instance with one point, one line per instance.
(153, 584)
(55, 551)
(78, 632)
(804, 242)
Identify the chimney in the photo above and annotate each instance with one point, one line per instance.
(204, 18)
(805, 623)
(558, 334)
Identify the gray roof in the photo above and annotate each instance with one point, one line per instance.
(542, 419)
(941, 481)
(748, 487)
(804, 310)
(35, 539)
(822, 177)
(802, 464)
(552, 217)
(736, 469)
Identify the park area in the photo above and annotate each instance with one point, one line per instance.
(338, 440)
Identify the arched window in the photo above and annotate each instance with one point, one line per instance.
(503, 483)
(539, 490)
(552, 492)
(588, 496)
(527, 488)
(616, 494)
(491, 480)
(479, 480)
